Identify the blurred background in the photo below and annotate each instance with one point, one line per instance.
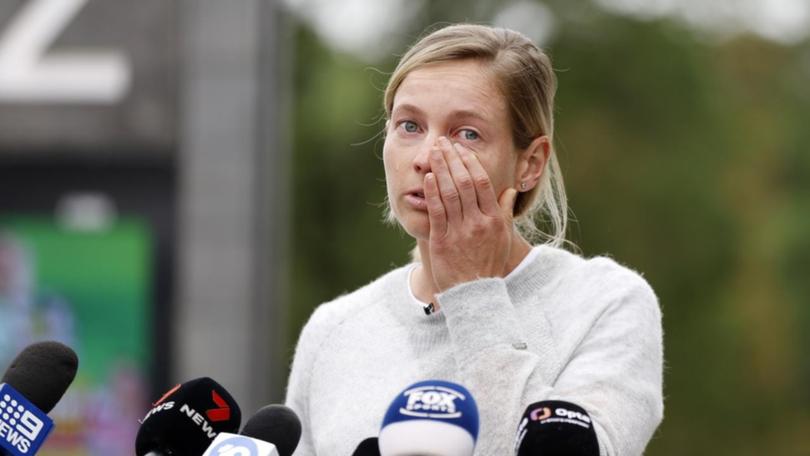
(182, 182)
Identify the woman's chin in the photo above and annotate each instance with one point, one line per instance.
(416, 225)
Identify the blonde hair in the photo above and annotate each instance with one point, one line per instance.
(524, 75)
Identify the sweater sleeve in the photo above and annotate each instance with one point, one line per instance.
(309, 342)
(614, 373)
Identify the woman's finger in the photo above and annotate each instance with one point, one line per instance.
(447, 189)
(435, 207)
(484, 190)
(461, 178)
(507, 203)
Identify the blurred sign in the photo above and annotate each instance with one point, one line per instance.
(90, 290)
(93, 76)
(29, 75)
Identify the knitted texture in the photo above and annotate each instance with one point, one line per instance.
(559, 327)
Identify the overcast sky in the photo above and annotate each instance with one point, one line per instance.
(370, 29)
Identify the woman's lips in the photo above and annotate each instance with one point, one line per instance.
(416, 200)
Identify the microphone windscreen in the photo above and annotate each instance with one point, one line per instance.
(275, 424)
(42, 373)
(187, 419)
(368, 447)
(556, 428)
(430, 417)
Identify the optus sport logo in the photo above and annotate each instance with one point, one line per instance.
(432, 401)
(545, 415)
(23, 427)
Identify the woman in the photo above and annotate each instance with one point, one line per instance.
(469, 162)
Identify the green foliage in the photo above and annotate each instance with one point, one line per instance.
(339, 186)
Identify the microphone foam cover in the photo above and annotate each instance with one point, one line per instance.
(275, 424)
(430, 417)
(187, 419)
(556, 428)
(42, 372)
(368, 447)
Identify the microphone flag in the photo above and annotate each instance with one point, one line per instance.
(23, 427)
(227, 444)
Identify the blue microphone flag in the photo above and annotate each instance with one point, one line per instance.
(23, 427)
(430, 417)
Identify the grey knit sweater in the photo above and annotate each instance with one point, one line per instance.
(558, 327)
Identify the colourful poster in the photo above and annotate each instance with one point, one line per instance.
(92, 291)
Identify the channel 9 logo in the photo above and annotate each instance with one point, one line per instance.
(23, 427)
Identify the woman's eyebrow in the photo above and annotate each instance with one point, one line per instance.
(459, 114)
(467, 114)
(408, 108)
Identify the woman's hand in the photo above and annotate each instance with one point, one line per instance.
(470, 228)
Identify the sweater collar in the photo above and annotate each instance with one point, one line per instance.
(523, 282)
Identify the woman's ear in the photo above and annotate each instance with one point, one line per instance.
(532, 162)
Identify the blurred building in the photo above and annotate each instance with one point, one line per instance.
(142, 180)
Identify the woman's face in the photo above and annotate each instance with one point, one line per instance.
(460, 101)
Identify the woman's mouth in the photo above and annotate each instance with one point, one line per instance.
(416, 199)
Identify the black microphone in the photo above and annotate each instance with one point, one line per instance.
(368, 447)
(187, 419)
(273, 431)
(42, 372)
(31, 387)
(276, 424)
(556, 428)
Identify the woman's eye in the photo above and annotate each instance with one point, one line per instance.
(469, 135)
(409, 126)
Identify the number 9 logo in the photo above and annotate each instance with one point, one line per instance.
(30, 425)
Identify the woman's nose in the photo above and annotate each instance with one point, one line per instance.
(421, 161)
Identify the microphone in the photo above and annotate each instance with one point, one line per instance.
(239, 445)
(273, 431)
(187, 419)
(556, 428)
(30, 388)
(368, 447)
(276, 424)
(432, 417)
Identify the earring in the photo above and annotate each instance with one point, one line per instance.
(523, 185)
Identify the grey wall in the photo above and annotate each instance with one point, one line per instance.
(233, 174)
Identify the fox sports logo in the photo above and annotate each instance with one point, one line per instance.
(432, 401)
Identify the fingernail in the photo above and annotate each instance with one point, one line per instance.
(443, 141)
